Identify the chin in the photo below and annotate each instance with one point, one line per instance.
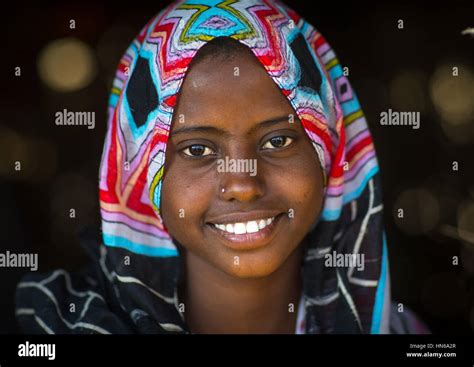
(251, 267)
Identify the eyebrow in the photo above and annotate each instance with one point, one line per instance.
(222, 132)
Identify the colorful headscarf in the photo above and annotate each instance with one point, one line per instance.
(133, 288)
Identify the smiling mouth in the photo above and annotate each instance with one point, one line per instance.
(247, 235)
(245, 227)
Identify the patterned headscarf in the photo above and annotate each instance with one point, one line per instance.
(133, 287)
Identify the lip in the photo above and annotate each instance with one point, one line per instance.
(247, 241)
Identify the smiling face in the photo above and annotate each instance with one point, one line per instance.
(242, 183)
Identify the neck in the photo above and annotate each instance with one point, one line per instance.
(219, 303)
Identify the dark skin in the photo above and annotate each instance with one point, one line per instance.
(228, 289)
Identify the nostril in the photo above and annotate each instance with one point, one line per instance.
(241, 192)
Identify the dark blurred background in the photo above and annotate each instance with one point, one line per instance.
(426, 172)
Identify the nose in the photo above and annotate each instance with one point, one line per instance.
(240, 186)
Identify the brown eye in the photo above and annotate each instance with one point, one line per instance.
(197, 150)
(278, 142)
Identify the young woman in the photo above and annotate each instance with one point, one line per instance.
(237, 171)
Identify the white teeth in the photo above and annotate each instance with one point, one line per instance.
(247, 227)
(229, 228)
(239, 228)
(252, 227)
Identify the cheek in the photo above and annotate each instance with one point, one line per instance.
(309, 190)
(300, 183)
(183, 202)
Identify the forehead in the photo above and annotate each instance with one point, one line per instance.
(234, 85)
